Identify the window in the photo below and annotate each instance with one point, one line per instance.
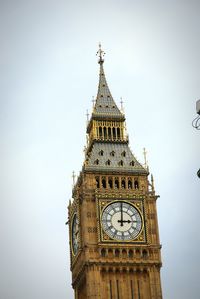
(109, 133)
(100, 132)
(108, 162)
(130, 253)
(118, 133)
(144, 253)
(104, 183)
(101, 153)
(123, 184)
(117, 183)
(129, 184)
(97, 182)
(123, 154)
(96, 162)
(103, 252)
(121, 163)
(132, 163)
(114, 133)
(136, 184)
(117, 252)
(112, 153)
(110, 183)
(105, 132)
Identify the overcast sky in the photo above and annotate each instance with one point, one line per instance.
(48, 75)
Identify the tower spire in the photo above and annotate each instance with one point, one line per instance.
(105, 105)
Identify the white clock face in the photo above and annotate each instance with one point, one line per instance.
(75, 233)
(121, 221)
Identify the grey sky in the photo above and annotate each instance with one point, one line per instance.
(48, 75)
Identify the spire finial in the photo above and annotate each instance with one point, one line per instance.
(152, 182)
(87, 115)
(121, 102)
(145, 158)
(101, 54)
(93, 102)
(73, 177)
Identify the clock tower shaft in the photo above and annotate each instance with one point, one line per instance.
(114, 237)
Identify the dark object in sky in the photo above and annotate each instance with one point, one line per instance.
(196, 121)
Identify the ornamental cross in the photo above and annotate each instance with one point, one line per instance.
(101, 54)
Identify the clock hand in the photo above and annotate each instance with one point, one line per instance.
(124, 221)
(121, 221)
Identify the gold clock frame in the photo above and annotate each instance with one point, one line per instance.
(138, 204)
(75, 214)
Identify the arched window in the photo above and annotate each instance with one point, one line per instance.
(103, 252)
(110, 183)
(104, 183)
(117, 183)
(114, 133)
(130, 253)
(132, 163)
(97, 182)
(100, 132)
(136, 184)
(109, 133)
(123, 184)
(121, 163)
(117, 252)
(96, 162)
(105, 132)
(101, 153)
(123, 154)
(130, 184)
(112, 153)
(108, 162)
(118, 133)
(144, 253)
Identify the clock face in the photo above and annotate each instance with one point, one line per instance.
(75, 233)
(121, 221)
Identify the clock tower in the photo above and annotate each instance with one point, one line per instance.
(114, 238)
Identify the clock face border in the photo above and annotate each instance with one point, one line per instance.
(73, 224)
(121, 225)
(138, 204)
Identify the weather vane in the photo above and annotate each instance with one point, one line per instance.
(101, 54)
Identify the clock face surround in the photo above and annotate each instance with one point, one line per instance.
(75, 234)
(121, 221)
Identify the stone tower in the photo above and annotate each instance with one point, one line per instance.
(114, 238)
